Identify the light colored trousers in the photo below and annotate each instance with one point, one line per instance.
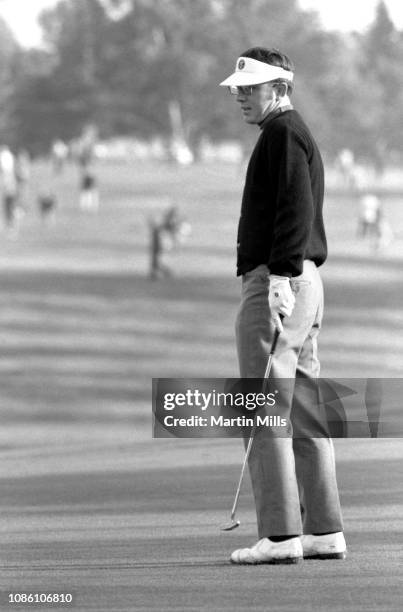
(293, 479)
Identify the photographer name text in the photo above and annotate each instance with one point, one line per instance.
(221, 421)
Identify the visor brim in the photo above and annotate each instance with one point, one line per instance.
(244, 78)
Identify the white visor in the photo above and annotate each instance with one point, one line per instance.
(249, 71)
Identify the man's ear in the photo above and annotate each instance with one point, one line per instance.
(281, 89)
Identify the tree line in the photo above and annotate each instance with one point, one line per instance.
(147, 68)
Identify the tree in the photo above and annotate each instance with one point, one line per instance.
(380, 62)
(33, 104)
(151, 68)
(74, 33)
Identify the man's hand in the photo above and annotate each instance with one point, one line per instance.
(281, 299)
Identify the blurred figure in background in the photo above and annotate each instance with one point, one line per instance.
(47, 194)
(166, 231)
(345, 163)
(89, 194)
(370, 215)
(22, 168)
(47, 204)
(9, 190)
(59, 154)
(371, 221)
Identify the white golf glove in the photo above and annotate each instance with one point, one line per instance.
(281, 299)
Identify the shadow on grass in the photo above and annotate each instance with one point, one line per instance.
(71, 339)
(194, 489)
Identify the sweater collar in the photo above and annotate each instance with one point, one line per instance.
(276, 112)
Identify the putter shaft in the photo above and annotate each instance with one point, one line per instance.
(235, 523)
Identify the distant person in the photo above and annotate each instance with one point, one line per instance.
(59, 154)
(47, 193)
(371, 221)
(22, 168)
(347, 167)
(85, 146)
(9, 190)
(47, 204)
(85, 153)
(166, 231)
(89, 194)
(369, 215)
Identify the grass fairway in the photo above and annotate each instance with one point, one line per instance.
(88, 501)
(84, 330)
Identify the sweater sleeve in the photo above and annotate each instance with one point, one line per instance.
(294, 209)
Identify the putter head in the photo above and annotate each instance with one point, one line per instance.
(233, 525)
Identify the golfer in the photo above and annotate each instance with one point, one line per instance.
(281, 244)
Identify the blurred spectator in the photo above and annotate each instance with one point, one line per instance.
(47, 204)
(59, 153)
(47, 199)
(85, 151)
(166, 232)
(22, 174)
(347, 168)
(85, 146)
(9, 190)
(89, 195)
(371, 221)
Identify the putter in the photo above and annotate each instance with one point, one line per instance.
(235, 523)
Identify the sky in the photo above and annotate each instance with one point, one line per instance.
(343, 15)
(347, 15)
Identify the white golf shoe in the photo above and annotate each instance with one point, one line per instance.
(266, 551)
(330, 546)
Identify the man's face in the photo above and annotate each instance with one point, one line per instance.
(256, 101)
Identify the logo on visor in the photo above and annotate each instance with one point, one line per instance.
(241, 64)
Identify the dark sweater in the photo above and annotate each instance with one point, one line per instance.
(281, 221)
